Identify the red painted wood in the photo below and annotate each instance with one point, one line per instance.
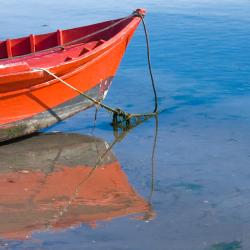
(32, 43)
(8, 48)
(83, 65)
(20, 46)
(59, 37)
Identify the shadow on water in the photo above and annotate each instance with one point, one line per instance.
(55, 181)
(235, 245)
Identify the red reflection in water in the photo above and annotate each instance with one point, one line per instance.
(56, 181)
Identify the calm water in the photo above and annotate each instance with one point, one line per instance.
(196, 196)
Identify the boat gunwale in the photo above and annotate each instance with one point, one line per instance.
(52, 49)
(101, 49)
(53, 81)
(55, 49)
(105, 49)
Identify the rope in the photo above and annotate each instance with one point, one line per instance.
(78, 91)
(97, 32)
(121, 118)
(149, 63)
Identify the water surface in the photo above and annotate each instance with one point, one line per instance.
(201, 178)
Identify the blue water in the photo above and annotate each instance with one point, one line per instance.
(200, 55)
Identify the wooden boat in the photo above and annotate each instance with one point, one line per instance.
(57, 181)
(85, 57)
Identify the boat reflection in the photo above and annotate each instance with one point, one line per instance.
(54, 181)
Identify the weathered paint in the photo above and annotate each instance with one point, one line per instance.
(52, 116)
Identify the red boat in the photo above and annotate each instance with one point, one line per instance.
(85, 57)
(57, 181)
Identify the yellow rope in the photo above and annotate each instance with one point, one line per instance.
(121, 118)
(77, 90)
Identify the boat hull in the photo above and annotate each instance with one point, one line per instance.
(51, 116)
(27, 110)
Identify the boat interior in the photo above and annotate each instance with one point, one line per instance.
(40, 50)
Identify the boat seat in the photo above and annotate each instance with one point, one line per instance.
(9, 68)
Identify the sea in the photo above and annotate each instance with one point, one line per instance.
(178, 181)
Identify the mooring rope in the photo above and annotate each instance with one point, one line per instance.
(149, 61)
(77, 90)
(121, 118)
